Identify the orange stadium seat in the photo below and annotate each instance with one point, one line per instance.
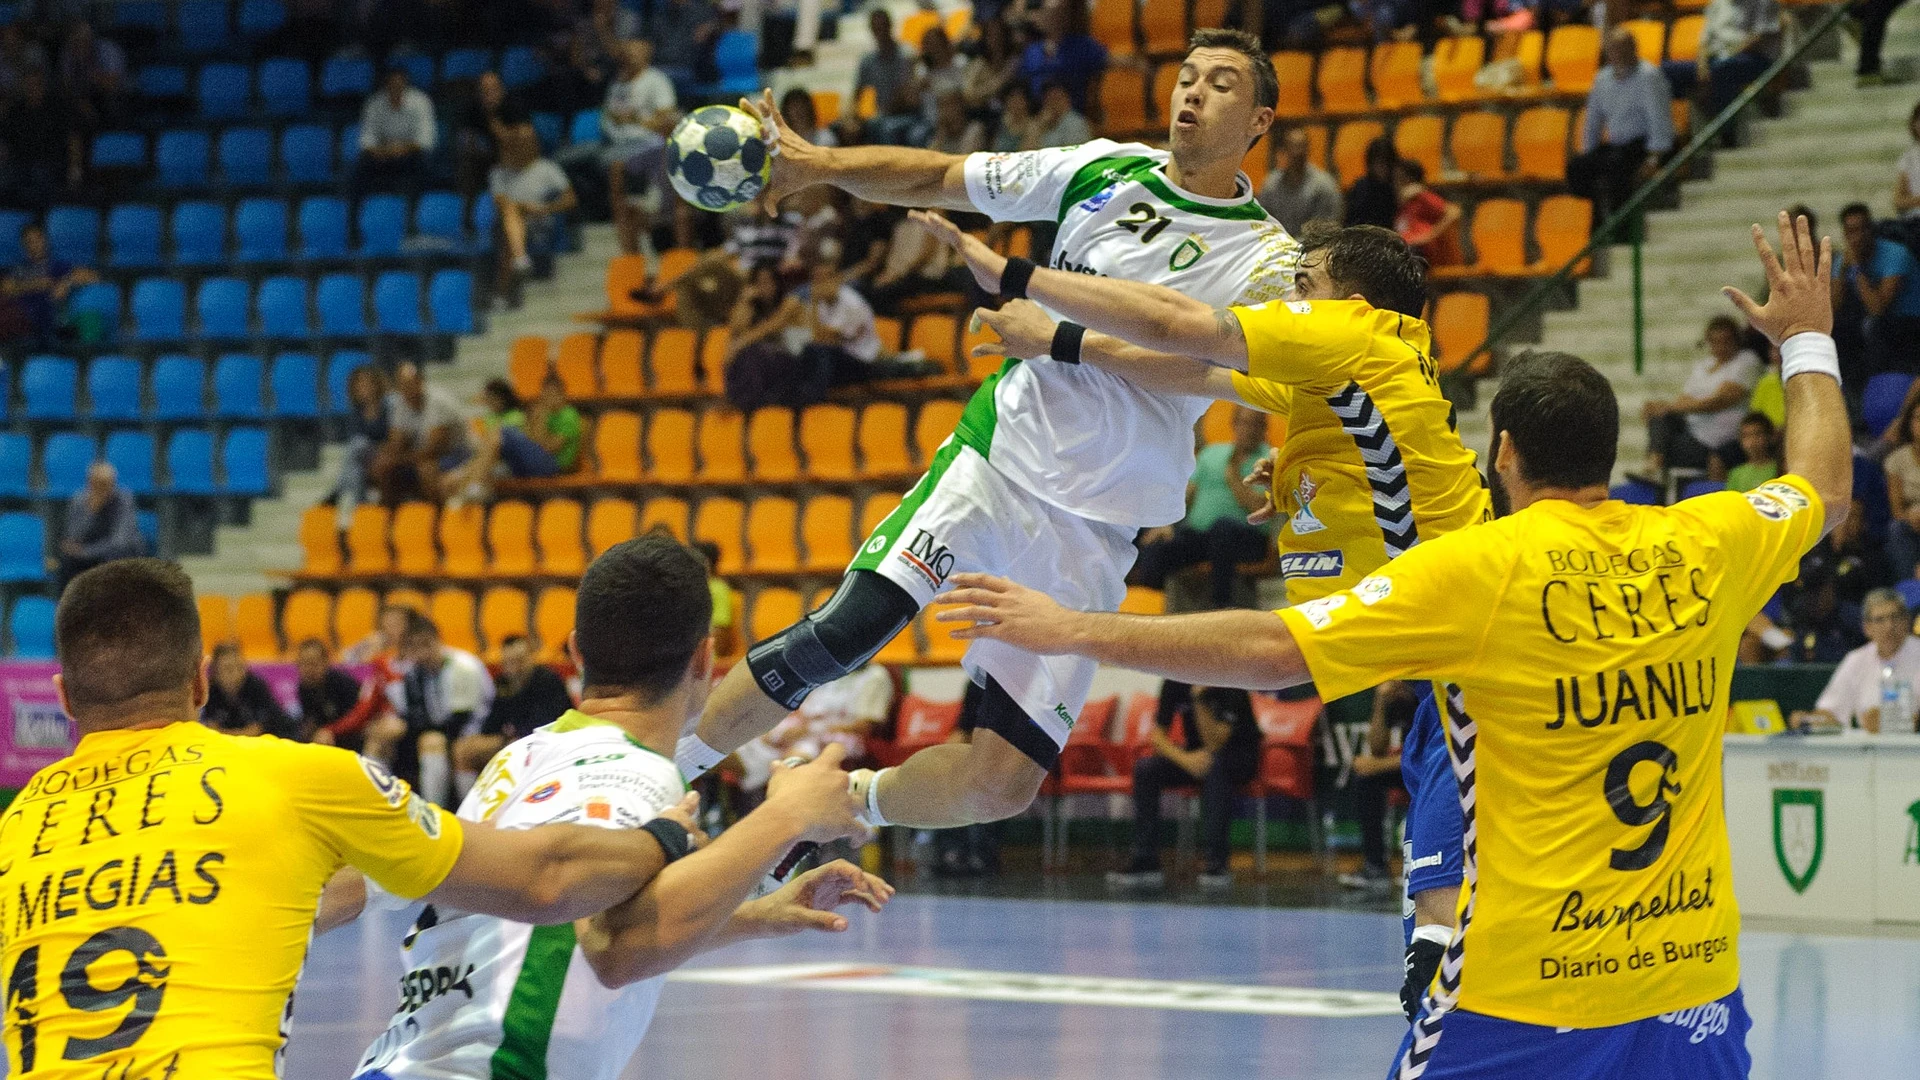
(1258, 163)
(1216, 424)
(577, 367)
(959, 24)
(1456, 60)
(1123, 101)
(1209, 14)
(413, 527)
(883, 440)
(773, 611)
(866, 105)
(622, 374)
(915, 26)
(527, 365)
(875, 510)
(1316, 143)
(723, 455)
(936, 335)
(1395, 70)
(616, 445)
(1459, 325)
(611, 521)
(1019, 243)
(1573, 57)
(320, 541)
(1166, 78)
(665, 513)
(253, 627)
(720, 521)
(1540, 143)
(355, 611)
(1649, 38)
(1499, 237)
(826, 528)
(1683, 38)
(1164, 28)
(1141, 600)
(1112, 25)
(625, 273)
(451, 609)
(1342, 80)
(942, 646)
(713, 361)
(826, 438)
(1295, 70)
(553, 621)
(1417, 138)
(936, 421)
(409, 598)
(462, 554)
(1350, 148)
(557, 527)
(367, 550)
(673, 360)
(510, 538)
(889, 331)
(826, 106)
(770, 442)
(772, 543)
(1561, 228)
(504, 613)
(1527, 48)
(1479, 143)
(820, 597)
(977, 367)
(216, 619)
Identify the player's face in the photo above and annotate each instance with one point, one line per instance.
(1311, 281)
(1214, 112)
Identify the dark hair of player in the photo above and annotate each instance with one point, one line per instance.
(1562, 416)
(1371, 261)
(642, 610)
(419, 626)
(1266, 84)
(124, 630)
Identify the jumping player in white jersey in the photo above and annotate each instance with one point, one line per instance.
(483, 997)
(1054, 466)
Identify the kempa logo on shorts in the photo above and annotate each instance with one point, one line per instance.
(933, 561)
(1060, 710)
(1713, 1018)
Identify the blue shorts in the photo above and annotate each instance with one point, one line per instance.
(1433, 851)
(1708, 1042)
(524, 458)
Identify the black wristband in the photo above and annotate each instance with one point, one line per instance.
(1013, 279)
(672, 836)
(1066, 342)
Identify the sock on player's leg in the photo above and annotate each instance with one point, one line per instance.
(434, 770)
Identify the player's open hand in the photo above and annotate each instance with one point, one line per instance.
(1799, 283)
(986, 264)
(686, 814)
(792, 154)
(993, 607)
(808, 902)
(1026, 331)
(818, 796)
(1262, 477)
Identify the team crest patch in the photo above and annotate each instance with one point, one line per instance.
(1373, 589)
(1767, 506)
(1312, 564)
(544, 792)
(1785, 493)
(1303, 521)
(1319, 613)
(1188, 253)
(391, 788)
(426, 815)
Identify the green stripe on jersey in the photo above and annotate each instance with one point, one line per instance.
(1246, 211)
(528, 1024)
(1095, 176)
(575, 720)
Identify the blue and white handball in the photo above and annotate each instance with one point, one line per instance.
(717, 157)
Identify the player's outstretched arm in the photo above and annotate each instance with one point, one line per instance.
(896, 175)
(1251, 650)
(1027, 332)
(1152, 316)
(807, 902)
(550, 874)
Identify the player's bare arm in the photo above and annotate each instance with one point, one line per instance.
(1251, 650)
(808, 902)
(896, 175)
(1026, 332)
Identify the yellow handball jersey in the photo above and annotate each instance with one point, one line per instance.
(1588, 654)
(158, 889)
(1372, 464)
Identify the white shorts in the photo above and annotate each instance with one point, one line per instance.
(964, 516)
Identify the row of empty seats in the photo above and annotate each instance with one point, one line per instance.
(190, 457)
(24, 549)
(1505, 238)
(174, 387)
(477, 624)
(244, 158)
(284, 307)
(284, 86)
(200, 26)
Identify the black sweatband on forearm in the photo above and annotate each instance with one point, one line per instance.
(672, 837)
(1013, 279)
(1066, 342)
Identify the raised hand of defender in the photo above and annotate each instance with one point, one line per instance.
(993, 607)
(1262, 477)
(686, 813)
(1799, 283)
(1026, 331)
(986, 264)
(817, 794)
(790, 151)
(808, 901)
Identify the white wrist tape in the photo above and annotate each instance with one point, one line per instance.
(1440, 933)
(874, 817)
(1809, 352)
(694, 757)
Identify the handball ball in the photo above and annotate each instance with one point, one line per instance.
(717, 157)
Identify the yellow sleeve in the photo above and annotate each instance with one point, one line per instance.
(1422, 616)
(371, 819)
(1764, 531)
(1269, 397)
(1311, 344)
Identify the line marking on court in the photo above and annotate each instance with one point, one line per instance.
(1047, 989)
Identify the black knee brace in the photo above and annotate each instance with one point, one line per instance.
(862, 615)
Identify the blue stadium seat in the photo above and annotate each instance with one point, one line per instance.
(149, 15)
(485, 216)
(202, 25)
(148, 522)
(438, 216)
(30, 628)
(199, 234)
(306, 154)
(549, 127)
(450, 299)
(349, 144)
(23, 547)
(520, 66)
(239, 391)
(260, 231)
(64, 458)
(1636, 493)
(133, 237)
(419, 69)
(341, 301)
(50, 388)
(737, 56)
(258, 18)
(286, 86)
(282, 307)
(246, 157)
(100, 300)
(182, 159)
(16, 464)
(243, 462)
(113, 388)
(1696, 488)
(396, 303)
(323, 228)
(340, 367)
(222, 91)
(11, 222)
(383, 225)
(464, 64)
(131, 455)
(1881, 399)
(118, 150)
(585, 127)
(223, 304)
(346, 77)
(190, 462)
(179, 388)
(296, 385)
(160, 82)
(159, 308)
(73, 234)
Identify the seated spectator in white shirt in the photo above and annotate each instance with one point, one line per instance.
(836, 334)
(446, 693)
(397, 132)
(530, 193)
(1700, 429)
(1853, 696)
(641, 109)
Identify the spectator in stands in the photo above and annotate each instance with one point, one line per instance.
(367, 431)
(1769, 397)
(240, 702)
(1629, 127)
(382, 646)
(1884, 277)
(490, 110)
(1700, 429)
(1375, 777)
(1063, 53)
(612, 23)
(1902, 467)
(1058, 122)
(762, 369)
(940, 74)
(839, 333)
(93, 75)
(798, 112)
(1374, 199)
(527, 695)
(1854, 695)
(397, 132)
(1298, 192)
(427, 436)
(530, 194)
(1872, 16)
(444, 692)
(1017, 129)
(991, 70)
(917, 263)
(726, 632)
(1215, 530)
(18, 52)
(1221, 753)
(379, 652)
(1906, 182)
(685, 32)
(539, 441)
(579, 80)
(43, 141)
(640, 110)
(1428, 221)
(101, 525)
(1738, 41)
(326, 693)
(1824, 608)
(889, 72)
(844, 711)
(1759, 444)
(40, 285)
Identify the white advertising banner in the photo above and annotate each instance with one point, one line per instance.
(1801, 818)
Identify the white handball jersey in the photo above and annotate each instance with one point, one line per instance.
(483, 997)
(1087, 441)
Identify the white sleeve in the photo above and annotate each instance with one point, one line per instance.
(429, 130)
(1028, 185)
(613, 791)
(1841, 693)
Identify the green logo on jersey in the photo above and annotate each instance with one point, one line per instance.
(1799, 834)
(1187, 253)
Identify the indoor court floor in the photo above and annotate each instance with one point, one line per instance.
(957, 988)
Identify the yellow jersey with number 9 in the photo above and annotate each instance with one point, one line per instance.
(1587, 653)
(158, 890)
